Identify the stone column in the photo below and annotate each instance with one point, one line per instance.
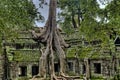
(74, 66)
(14, 70)
(29, 70)
(1, 67)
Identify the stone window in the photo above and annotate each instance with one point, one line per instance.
(23, 71)
(86, 43)
(35, 70)
(70, 66)
(19, 46)
(56, 65)
(117, 41)
(97, 68)
(83, 69)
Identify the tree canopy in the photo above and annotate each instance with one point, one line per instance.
(16, 14)
(92, 22)
(90, 18)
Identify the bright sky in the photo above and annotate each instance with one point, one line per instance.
(45, 9)
(100, 4)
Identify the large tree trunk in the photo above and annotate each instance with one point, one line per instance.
(54, 44)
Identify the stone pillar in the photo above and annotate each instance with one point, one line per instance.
(81, 68)
(29, 70)
(74, 66)
(14, 72)
(1, 67)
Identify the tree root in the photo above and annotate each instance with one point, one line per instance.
(54, 77)
(54, 43)
(37, 77)
(66, 77)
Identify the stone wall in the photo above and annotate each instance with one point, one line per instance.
(16, 71)
(1, 67)
(103, 67)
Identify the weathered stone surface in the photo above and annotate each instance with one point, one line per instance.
(28, 55)
(1, 67)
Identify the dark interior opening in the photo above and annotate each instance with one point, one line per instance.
(97, 68)
(19, 46)
(70, 66)
(56, 65)
(117, 41)
(23, 71)
(35, 70)
(84, 69)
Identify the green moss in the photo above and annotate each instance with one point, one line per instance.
(116, 77)
(95, 55)
(26, 55)
(83, 55)
(97, 78)
(23, 78)
(81, 76)
(21, 41)
(71, 73)
(84, 52)
(10, 57)
(1, 50)
(117, 55)
(99, 55)
(23, 54)
(71, 52)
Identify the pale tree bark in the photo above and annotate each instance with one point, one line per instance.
(87, 74)
(54, 44)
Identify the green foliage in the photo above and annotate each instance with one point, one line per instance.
(26, 55)
(89, 11)
(16, 14)
(113, 10)
(90, 52)
(95, 23)
(84, 52)
(116, 77)
(97, 78)
(81, 76)
(88, 27)
(71, 52)
(23, 78)
(71, 73)
(66, 26)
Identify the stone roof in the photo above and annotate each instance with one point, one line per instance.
(26, 49)
(26, 55)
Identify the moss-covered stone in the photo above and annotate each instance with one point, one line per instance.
(26, 55)
(71, 52)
